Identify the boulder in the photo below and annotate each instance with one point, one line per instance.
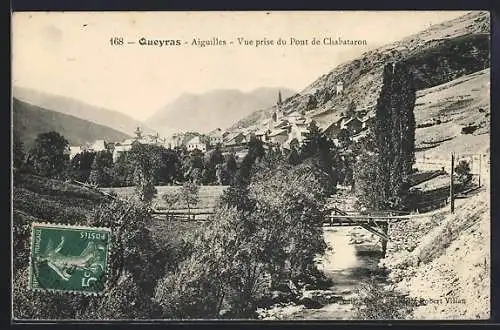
(281, 297)
(309, 303)
(318, 298)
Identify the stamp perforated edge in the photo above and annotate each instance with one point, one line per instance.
(67, 226)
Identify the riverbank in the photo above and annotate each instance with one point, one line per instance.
(352, 257)
(444, 260)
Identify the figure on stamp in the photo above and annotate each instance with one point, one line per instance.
(90, 259)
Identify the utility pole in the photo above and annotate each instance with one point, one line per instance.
(452, 201)
(480, 169)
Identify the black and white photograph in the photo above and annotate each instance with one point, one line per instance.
(265, 165)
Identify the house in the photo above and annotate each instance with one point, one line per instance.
(234, 139)
(294, 117)
(262, 135)
(333, 129)
(282, 124)
(74, 150)
(367, 120)
(352, 125)
(240, 155)
(298, 133)
(359, 136)
(216, 137)
(196, 143)
(278, 136)
(98, 145)
(176, 140)
(339, 88)
(122, 147)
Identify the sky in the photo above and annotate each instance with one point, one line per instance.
(70, 53)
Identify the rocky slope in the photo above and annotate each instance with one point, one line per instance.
(443, 260)
(440, 54)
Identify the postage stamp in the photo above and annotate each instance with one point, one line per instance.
(69, 258)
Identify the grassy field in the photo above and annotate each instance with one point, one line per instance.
(458, 103)
(208, 195)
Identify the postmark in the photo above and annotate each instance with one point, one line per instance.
(68, 258)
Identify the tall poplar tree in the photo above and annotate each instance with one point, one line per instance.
(383, 131)
(395, 134)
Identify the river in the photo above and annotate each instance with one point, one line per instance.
(352, 257)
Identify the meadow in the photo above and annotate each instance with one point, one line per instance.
(208, 196)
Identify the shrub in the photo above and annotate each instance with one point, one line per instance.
(377, 302)
(463, 173)
(469, 129)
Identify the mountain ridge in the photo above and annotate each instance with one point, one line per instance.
(217, 108)
(30, 120)
(80, 109)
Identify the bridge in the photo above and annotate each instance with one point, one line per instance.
(377, 222)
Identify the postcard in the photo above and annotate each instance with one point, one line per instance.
(266, 165)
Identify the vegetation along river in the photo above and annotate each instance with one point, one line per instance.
(351, 258)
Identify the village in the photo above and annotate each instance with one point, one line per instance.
(282, 130)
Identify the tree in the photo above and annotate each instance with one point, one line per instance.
(323, 151)
(123, 170)
(81, 165)
(231, 167)
(18, 151)
(210, 162)
(463, 173)
(49, 156)
(395, 134)
(170, 166)
(192, 165)
(273, 155)
(101, 170)
(367, 184)
(312, 103)
(311, 140)
(189, 194)
(346, 171)
(146, 162)
(260, 235)
(293, 157)
(344, 138)
(255, 153)
(221, 174)
(135, 265)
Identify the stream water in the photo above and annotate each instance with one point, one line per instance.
(352, 257)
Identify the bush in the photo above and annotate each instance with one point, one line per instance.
(469, 129)
(376, 302)
(463, 173)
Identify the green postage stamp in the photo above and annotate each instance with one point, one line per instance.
(69, 258)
